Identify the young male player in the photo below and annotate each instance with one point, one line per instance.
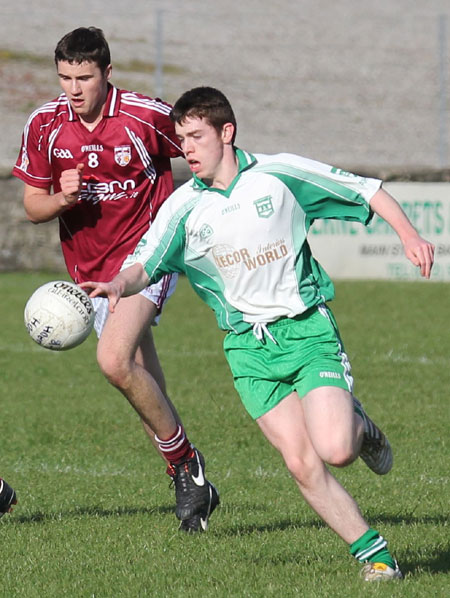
(238, 231)
(7, 498)
(98, 159)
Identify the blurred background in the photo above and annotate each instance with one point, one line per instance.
(359, 84)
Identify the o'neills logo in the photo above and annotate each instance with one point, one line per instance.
(75, 293)
(229, 260)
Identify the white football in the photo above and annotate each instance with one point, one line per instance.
(59, 315)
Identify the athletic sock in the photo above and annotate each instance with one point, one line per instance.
(177, 447)
(373, 548)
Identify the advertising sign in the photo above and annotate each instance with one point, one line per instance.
(348, 250)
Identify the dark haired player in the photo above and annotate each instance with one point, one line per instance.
(97, 158)
(238, 230)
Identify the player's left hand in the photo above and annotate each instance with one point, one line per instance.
(421, 253)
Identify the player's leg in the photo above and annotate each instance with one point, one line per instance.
(340, 430)
(335, 430)
(344, 415)
(128, 358)
(286, 426)
(147, 356)
(117, 346)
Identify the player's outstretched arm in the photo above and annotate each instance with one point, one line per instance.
(419, 251)
(128, 282)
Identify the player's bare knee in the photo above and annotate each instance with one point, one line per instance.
(300, 468)
(115, 369)
(338, 454)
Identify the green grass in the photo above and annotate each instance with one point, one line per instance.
(95, 518)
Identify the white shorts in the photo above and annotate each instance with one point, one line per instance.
(156, 293)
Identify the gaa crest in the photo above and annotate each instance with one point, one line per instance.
(122, 155)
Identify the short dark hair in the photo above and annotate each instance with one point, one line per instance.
(85, 44)
(204, 102)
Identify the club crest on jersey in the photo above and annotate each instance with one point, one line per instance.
(264, 206)
(140, 246)
(122, 154)
(205, 231)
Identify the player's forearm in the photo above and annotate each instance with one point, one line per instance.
(128, 282)
(40, 207)
(383, 204)
(131, 280)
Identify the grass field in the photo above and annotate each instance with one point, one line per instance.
(95, 518)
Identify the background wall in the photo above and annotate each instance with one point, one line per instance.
(361, 85)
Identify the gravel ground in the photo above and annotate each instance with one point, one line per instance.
(353, 83)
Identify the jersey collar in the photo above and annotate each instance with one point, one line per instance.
(111, 107)
(245, 161)
(112, 103)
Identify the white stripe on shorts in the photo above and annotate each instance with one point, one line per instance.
(157, 293)
(322, 309)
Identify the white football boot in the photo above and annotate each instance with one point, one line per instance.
(380, 572)
(376, 451)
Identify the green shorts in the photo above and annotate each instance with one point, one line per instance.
(308, 354)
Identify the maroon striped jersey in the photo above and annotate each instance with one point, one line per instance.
(127, 175)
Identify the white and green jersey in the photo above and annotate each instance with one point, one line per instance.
(244, 249)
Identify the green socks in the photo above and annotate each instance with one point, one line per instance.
(372, 547)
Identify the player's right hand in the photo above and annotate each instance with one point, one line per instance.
(71, 182)
(421, 253)
(103, 289)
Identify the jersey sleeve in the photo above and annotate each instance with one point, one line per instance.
(154, 117)
(161, 249)
(324, 191)
(32, 165)
(167, 141)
